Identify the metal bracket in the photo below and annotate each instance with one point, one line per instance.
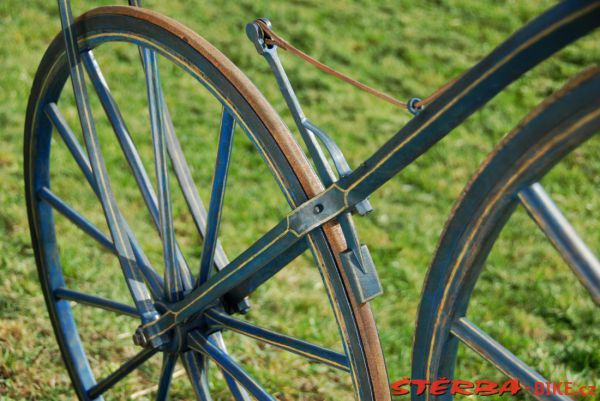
(308, 130)
(357, 260)
(361, 274)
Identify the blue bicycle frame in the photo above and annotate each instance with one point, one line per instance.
(535, 42)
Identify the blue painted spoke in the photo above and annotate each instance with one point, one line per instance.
(109, 381)
(288, 343)
(129, 150)
(70, 213)
(166, 375)
(564, 237)
(201, 344)
(500, 357)
(173, 279)
(182, 170)
(152, 279)
(72, 143)
(97, 302)
(118, 124)
(188, 187)
(59, 205)
(196, 366)
(237, 391)
(126, 257)
(218, 194)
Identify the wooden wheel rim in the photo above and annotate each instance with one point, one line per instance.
(285, 159)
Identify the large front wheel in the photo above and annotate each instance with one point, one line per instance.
(94, 310)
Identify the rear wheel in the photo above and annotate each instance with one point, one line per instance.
(509, 178)
(241, 105)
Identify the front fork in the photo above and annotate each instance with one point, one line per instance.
(356, 260)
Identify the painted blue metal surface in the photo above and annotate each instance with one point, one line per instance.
(122, 372)
(98, 302)
(76, 218)
(154, 281)
(201, 344)
(174, 288)
(134, 279)
(217, 195)
(501, 358)
(196, 366)
(301, 229)
(563, 236)
(166, 375)
(295, 345)
(238, 392)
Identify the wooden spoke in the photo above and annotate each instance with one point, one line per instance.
(196, 366)
(153, 280)
(288, 343)
(500, 357)
(72, 215)
(174, 288)
(129, 150)
(237, 391)
(68, 137)
(135, 280)
(109, 381)
(201, 344)
(180, 166)
(188, 187)
(564, 237)
(61, 206)
(217, 194)
(182, 170)
(166, 375)
(97, 302)
(122, 133)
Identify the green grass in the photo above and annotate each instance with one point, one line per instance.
(527, 297)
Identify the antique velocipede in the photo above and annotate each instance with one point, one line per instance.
(182, 315)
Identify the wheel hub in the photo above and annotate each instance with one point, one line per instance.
(176, 338)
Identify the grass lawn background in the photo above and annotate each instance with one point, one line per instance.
(527, 297)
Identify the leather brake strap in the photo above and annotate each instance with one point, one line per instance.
(271, 38)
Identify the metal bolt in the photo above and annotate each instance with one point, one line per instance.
(243, 306)
(139, 338)
(318, 208)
